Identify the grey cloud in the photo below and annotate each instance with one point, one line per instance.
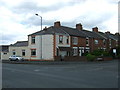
(7, 38)
(86, 20)
(28, 7)
(36, 21)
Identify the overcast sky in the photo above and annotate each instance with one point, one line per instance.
(17, 17)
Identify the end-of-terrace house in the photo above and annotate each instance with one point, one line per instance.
(63, 41)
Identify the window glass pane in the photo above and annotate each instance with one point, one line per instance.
(75, 40)
(96, 41)
(23, 52)
(14, 52)
(60, 39)
(33, 52)
(33, 40)
(87, 41)
(67, 40)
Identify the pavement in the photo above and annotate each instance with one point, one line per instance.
(66, 75)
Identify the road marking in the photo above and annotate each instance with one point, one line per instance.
(36, 70)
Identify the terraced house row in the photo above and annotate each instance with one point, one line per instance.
(61, 41)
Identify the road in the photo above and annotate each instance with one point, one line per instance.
(82, 75)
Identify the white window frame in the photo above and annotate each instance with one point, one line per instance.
(23, 51)
(87, 40)
(75, 40)
(60, 39)
(96, 41)
(33, 52)
(32, 39)
(67, 39)
(110, 42)
(75, 51)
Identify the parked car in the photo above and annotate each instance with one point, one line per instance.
(16, 58)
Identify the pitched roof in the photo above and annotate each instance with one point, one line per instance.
(67, 31)
(74, 32)
(109, 36)
(92, 34)
(20, 43)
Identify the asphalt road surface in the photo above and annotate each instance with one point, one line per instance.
(83, 75)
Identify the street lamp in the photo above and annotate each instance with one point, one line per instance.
(41, 19)
(41, 35)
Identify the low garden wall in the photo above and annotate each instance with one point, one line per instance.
(71, 58)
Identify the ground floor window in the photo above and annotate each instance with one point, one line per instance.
(4, 53)
(33, 52)
(23, 52)
(13, 52)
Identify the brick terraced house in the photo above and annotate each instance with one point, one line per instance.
(61, 41)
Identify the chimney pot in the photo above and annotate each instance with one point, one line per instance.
(95, 29)
(45, 28)
(79, 26)
(57, 24)
(108, 32)
(117, 33)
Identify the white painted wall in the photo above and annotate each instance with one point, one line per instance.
(18, 51)
(36, 46)
(46, 48)
(4, 56)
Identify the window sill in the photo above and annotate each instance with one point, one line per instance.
(33, 56)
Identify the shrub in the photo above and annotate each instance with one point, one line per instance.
(97, 52)
(106, 53)
(91, 57)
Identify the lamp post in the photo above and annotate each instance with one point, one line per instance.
(41, 35)
(41, 19)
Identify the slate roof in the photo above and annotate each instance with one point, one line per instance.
(109, 36)
(92, 34)
(20, 43)
(68, 31)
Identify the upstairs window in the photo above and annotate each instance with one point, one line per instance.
(116, 43)
(60, 39)
(110, 42)
(75, 40)
(33, 39)
(104, 42)
(87, 41)
(67, 40)
(96, 41)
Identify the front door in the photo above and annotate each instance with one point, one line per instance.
(63, 54)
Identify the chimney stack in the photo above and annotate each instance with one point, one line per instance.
(117, 33)
(95, 29)
(45, 28)
(79, 26)
(57, 24)
(108, 32)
